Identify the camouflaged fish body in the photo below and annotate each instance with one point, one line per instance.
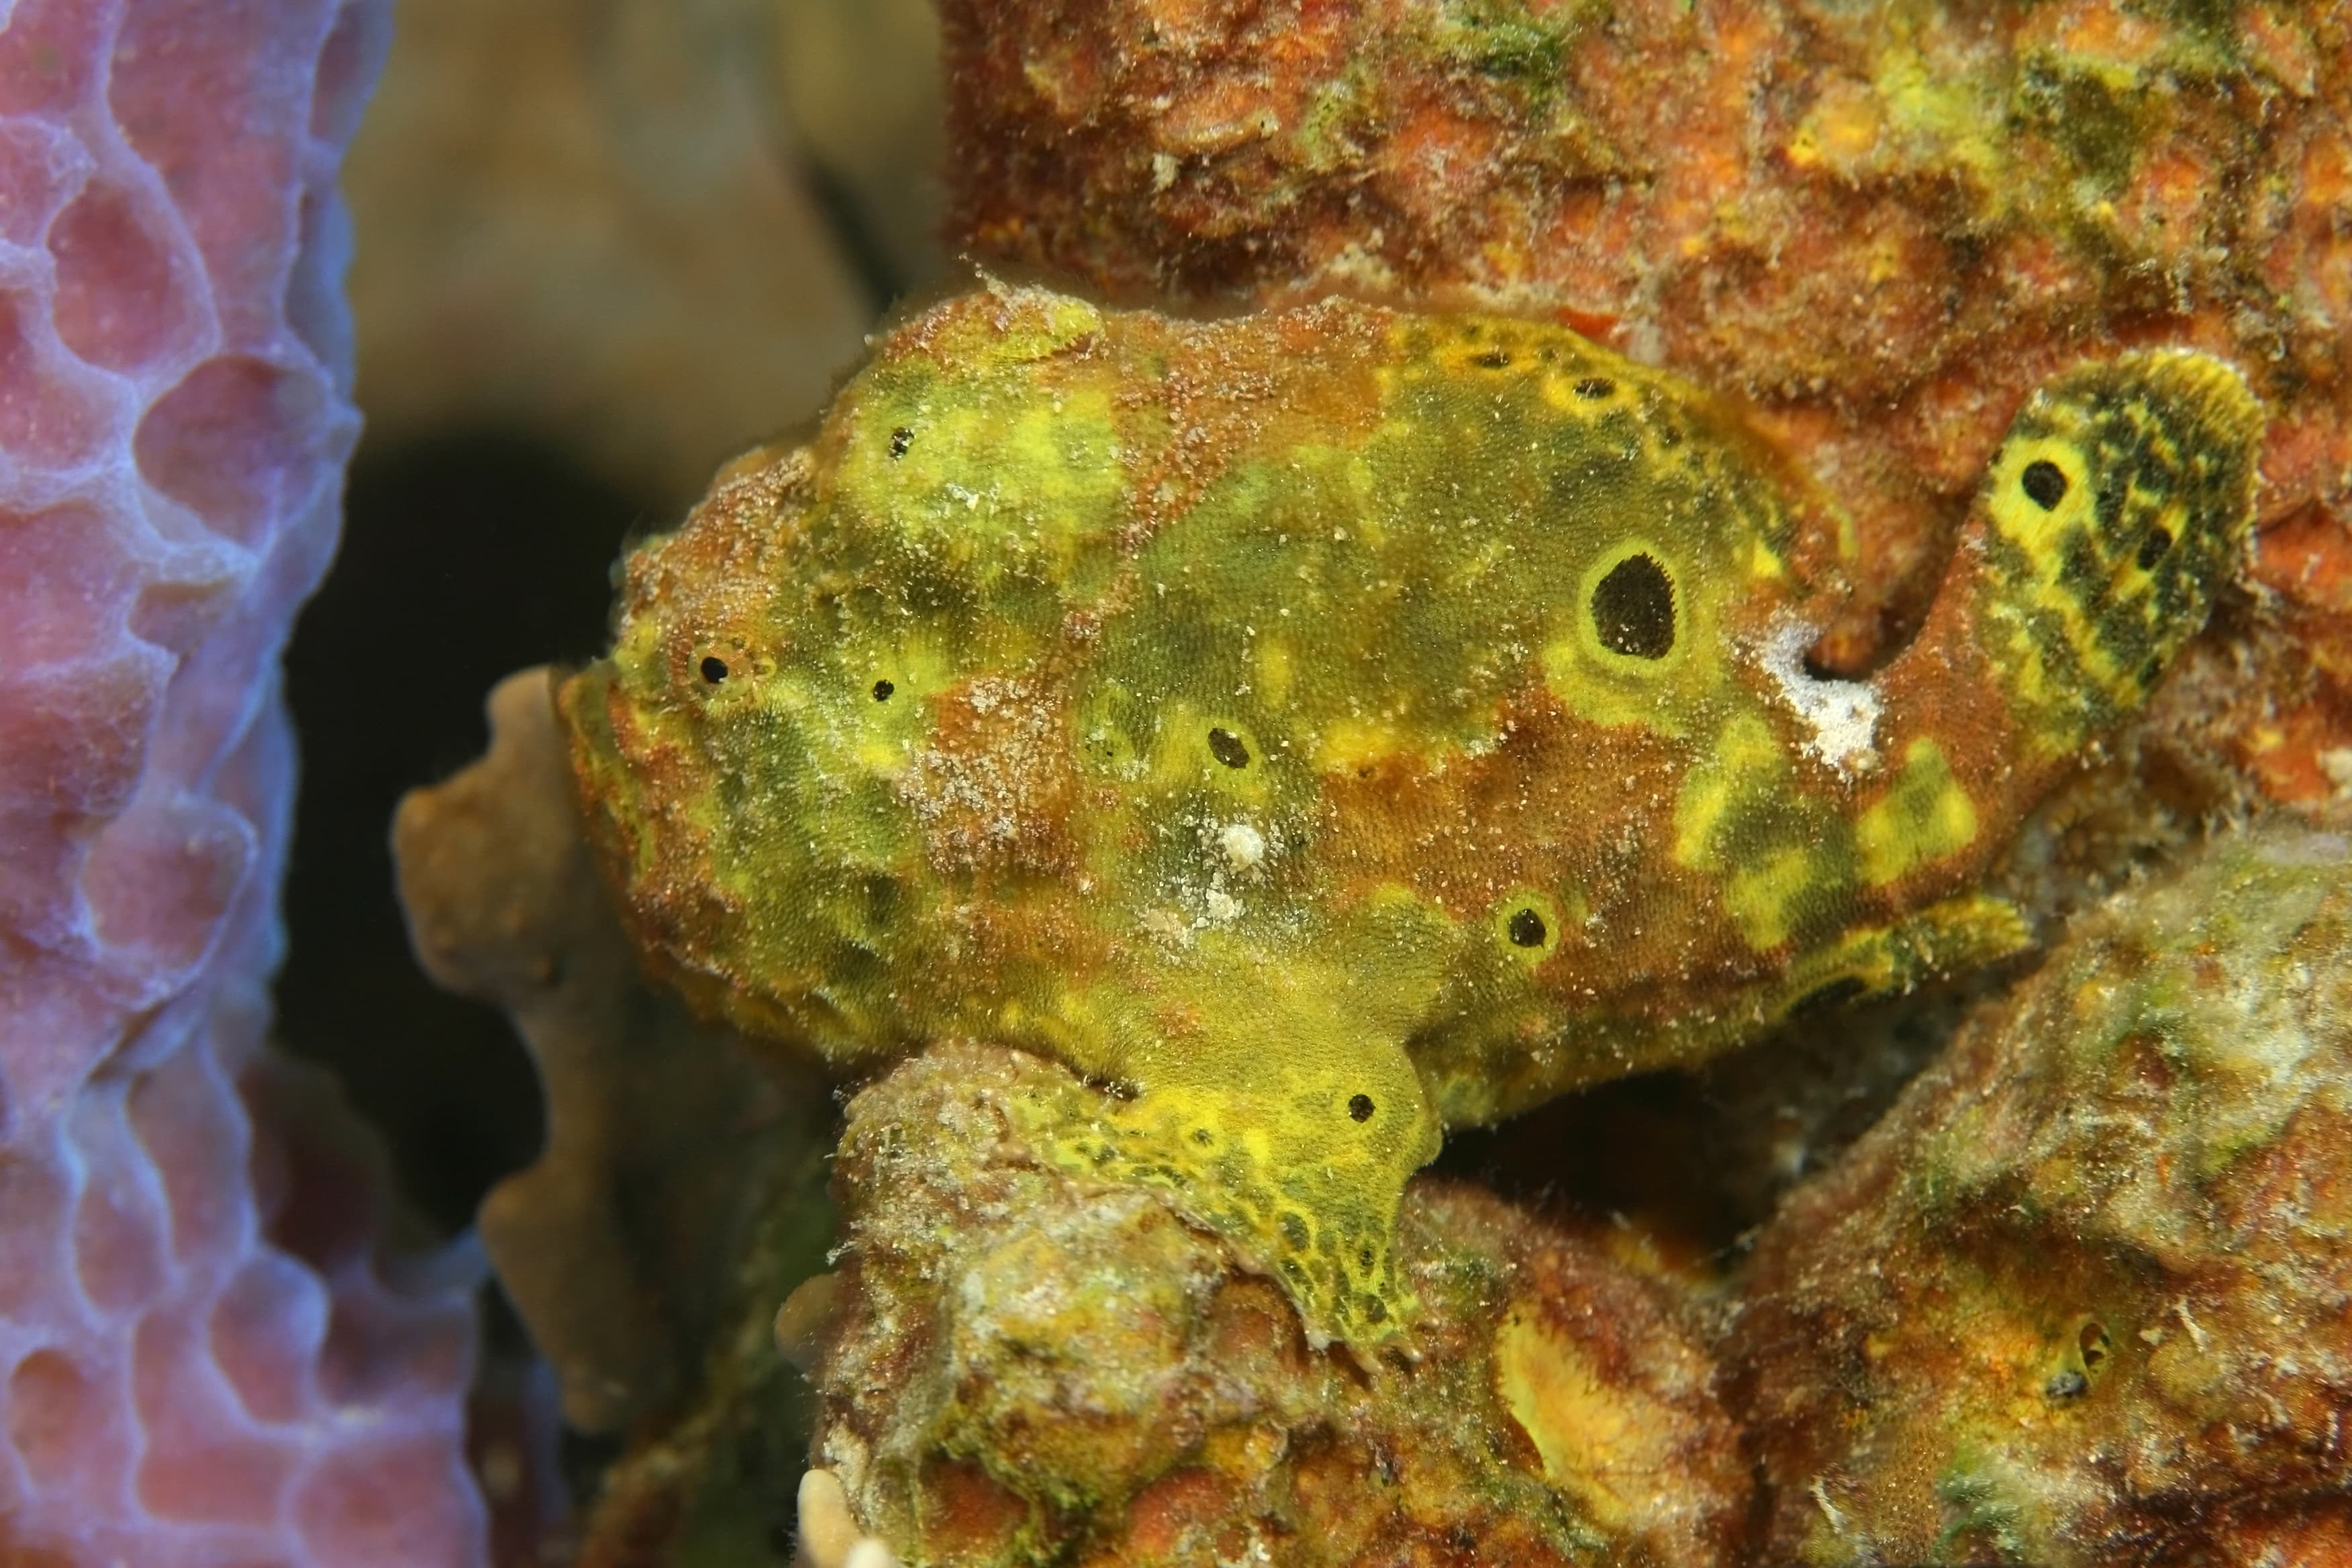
(1333, 725)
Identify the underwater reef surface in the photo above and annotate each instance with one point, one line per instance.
(1873, 230)
(204, 1357)
(1022, 1364)
(2079, 1298)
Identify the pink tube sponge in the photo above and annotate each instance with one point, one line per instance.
(201, 1359)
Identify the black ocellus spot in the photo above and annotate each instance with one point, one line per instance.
(1595, 386)
(714, 669)
(2044, 482)
(1633, 608)
(2152, 548)
(882, 690)
(1360, 1107)
(1228, 748)
(900, 439)
(1526, 929)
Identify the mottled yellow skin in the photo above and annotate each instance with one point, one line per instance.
(1330, 726)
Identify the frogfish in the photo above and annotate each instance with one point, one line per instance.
(1329, 727)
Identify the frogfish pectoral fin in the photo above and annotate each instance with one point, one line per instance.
(1300, 1166)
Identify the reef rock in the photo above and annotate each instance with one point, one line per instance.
(1019, 1365)
(2079, 1299)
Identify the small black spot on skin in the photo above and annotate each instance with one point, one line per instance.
(714, 669)
(1364, 1258)
(2044, 482)
(1360, 1107)
(1833, 994)
(1595, 387)
(2152, 548)
(882, 690)
(900, 439)
(1493, 358)
(1375, 1309)
(1204, 1137)
(1526, 929)
(1633, 608)
(2067, 1384)
(1227, 748)
(1293, 1231)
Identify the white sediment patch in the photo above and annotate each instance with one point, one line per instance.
(1843, 715)
(1243, 845)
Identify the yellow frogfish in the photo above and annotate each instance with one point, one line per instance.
(1328, 727)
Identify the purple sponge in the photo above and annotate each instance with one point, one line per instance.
(202, 1358)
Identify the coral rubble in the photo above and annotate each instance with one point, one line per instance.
(1023, 1365)
(203, 1358)
(2079, 1299)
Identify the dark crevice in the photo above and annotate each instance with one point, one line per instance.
(463, 559)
